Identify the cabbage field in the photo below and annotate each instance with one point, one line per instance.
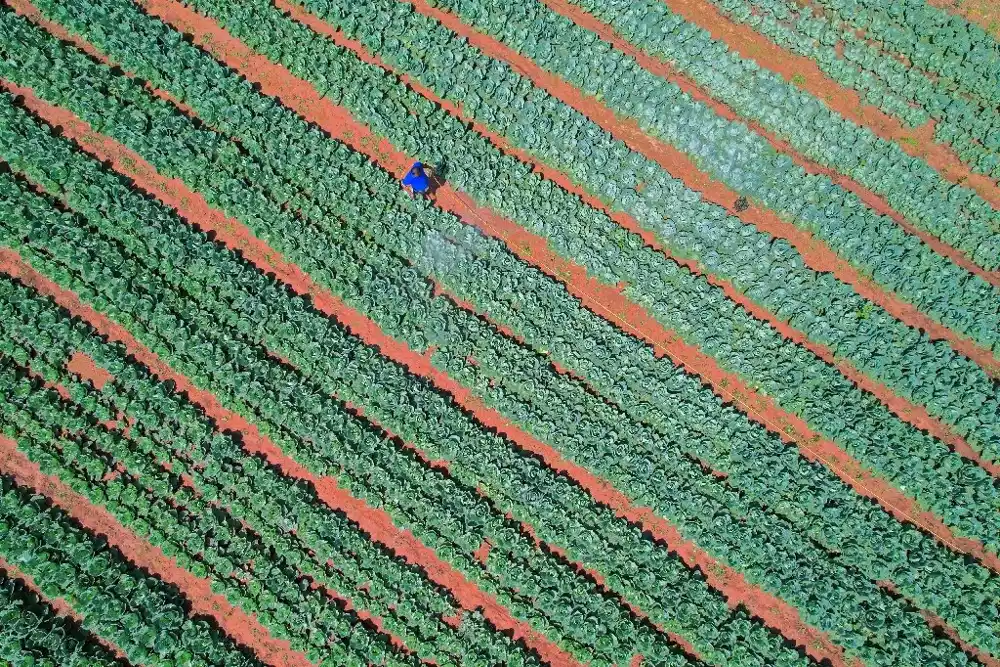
(690, 358)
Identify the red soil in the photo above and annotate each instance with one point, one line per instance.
(84, 366)
(241, 627)
(60, 605)
(608, 303)
(804, 73)
(874, 201)
(301, 96)
(815, 253)
(193, 207)
(904, 409)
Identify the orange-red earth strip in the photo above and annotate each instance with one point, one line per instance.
(816, 254)
(666, 71)
(806, 74)
(59, 605)
(301, 96)
(241, 627)
(193, 207)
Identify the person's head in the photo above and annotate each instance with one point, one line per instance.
(415, 171)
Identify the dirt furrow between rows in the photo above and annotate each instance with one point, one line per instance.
(59, 605)
(193, 208)
(304, 99)
(806, 74)
(664, 70)
(240, 626)
(815, 253)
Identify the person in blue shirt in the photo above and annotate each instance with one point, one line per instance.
(417, 179)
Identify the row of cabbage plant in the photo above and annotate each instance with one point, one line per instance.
(33, 632)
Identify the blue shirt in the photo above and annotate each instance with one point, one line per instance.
(419, 181)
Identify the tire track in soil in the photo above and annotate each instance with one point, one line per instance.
(871, 199)
(775, 612)
(59, 605)
(815, 253)
(534, 250)
(915, 415)
(806, 75)
(192, 207)
(241, 628)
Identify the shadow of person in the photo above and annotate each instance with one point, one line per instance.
(437, 178)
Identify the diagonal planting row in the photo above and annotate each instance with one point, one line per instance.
(33, 631)
(319, 337)
(668, 569)
(964, 118)
(908, 183)
(735, 155)
(141, 614)
(293, 533)
(614, 255)
(987, 488)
